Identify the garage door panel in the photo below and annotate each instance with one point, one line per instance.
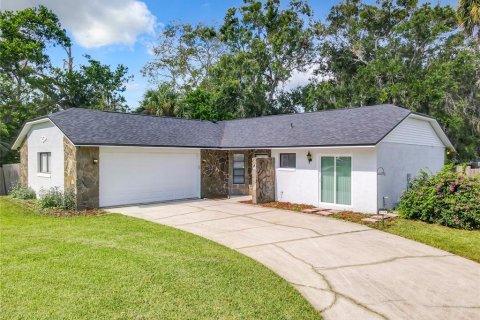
(136, 176)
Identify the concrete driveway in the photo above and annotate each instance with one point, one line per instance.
(345, 270)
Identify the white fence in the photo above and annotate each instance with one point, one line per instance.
(9, 176)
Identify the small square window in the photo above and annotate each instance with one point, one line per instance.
(239, 168)
(44, 162)
(288, 160)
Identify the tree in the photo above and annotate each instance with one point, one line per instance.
(244, 63)
(202, 104)
(27, 89)
(162, 101)
(31, 87)
(469, 17)
(267, 44)
(184, 54)
(405, 54)
(94, 86)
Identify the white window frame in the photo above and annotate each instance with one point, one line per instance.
(319, 170)
(280, 160)
(48, 164)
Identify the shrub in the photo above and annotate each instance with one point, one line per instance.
(21, 192)
(57, 198)
(449, 198)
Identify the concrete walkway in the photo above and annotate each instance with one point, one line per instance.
(345, 270)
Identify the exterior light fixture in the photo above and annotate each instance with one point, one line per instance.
(95, 161)
(309, 157)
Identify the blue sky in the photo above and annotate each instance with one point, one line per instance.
(121, 31)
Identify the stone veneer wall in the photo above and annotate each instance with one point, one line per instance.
(263, 180)
(214, 173)
(244, 189)
(70, 165)
(24, 164)
(87, 177)
(82, 174)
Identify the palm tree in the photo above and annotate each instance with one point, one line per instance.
(163, 101)
(469, 16)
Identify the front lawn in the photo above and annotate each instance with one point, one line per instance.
(114, 267)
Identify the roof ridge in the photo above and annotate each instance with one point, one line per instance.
(316, 111)
(228, 120)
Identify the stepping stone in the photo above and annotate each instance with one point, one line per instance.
(393, 215)
(379, 217)
(369, 220)
(309, 210)
(324, 213)
(335, 211)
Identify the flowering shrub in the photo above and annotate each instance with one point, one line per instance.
(449, 198)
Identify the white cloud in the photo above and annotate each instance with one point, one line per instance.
(298, 79)
(94, 23)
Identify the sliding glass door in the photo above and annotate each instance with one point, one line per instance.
(336, 180)
(328, 179)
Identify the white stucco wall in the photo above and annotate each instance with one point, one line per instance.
(45, 137)
(413, 145)
(400, 159)
(301, 185)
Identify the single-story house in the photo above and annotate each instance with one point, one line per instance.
(353, 159)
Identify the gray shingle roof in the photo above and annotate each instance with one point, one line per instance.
(339, 127)
(94, 127)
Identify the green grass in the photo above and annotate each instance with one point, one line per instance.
(465, 243)
(115, 267)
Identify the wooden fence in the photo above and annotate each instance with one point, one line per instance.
(9, 175)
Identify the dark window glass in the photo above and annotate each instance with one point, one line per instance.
(239, 168)
(288, 160)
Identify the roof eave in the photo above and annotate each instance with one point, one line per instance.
(25, 129)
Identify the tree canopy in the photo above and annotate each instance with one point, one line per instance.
(417, 55)
(30, 86)
(421, 56)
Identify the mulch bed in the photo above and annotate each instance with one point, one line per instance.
(351, 216)
(57, 212)
(282, 205)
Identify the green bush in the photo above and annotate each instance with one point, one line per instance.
(21, 192)
(57, 198)
(448, 198)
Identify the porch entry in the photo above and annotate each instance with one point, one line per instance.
(335, 180)
(228, 172)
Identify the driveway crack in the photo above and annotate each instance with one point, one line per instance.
(383, 261)
(330, 287)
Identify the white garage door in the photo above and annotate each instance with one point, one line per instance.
(140, 175)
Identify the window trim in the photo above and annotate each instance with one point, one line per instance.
(48, 164)
(233, 169)
(288, 154)
(319, 170)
